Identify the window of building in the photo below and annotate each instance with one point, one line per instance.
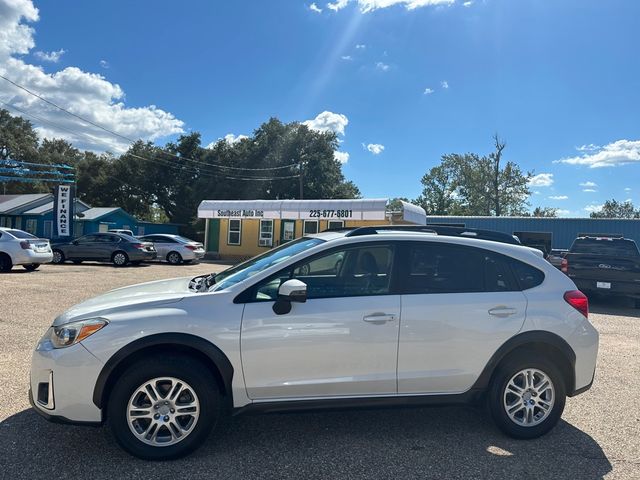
(18, 223)
(335, 224)
(3, 221)
(310, 227)
(266, 233)
(234, 236)
(32, 226)
(288, 230)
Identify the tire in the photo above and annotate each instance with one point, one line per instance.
(5, 263)
(165, 372)
(525, 425)
(174, 258)
(31, 267)
(58, 257)
(119, 258)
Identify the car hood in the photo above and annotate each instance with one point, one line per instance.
(149, 294)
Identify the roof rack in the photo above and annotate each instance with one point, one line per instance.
(356, 232)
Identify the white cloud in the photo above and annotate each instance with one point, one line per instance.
(86, 94)
(53, 57)
(589, 184)
(589, 190)
(231, 138)
(346, 57)
(467, 4)
(382, 66)
(104, 64)
(428, 91)
(558, 197)
(328, 121)
(342, 157)
(374, 148)
(314, 8)
(627, 189)
(593, 208)
(444, 84)
(371, 5)
(562, 213)
(541, 180)
(614, 154)
(337, 5)
(361, 46)
(588, 148)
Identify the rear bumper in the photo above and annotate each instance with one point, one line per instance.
(142, 256)
(26, 257)
(631, 289)
(191, 255)
(584, 342)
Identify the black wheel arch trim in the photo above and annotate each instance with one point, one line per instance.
(204, 347)
(521, 340)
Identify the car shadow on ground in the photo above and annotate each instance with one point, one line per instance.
(440, 442)
(621, 306)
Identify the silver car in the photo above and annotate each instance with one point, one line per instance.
(174, 248)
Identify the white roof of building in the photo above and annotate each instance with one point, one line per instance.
(11, 202)
(97, 212)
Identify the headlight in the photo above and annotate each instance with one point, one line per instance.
(71, 333)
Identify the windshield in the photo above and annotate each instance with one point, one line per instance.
(20, 234)
(260, 263)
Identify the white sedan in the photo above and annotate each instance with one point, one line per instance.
(174, 248)
(21, 248)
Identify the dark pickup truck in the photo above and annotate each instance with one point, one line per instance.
(608, 265)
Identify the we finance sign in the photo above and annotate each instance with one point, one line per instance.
(63, 210)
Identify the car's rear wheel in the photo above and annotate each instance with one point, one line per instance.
(120, 259)
(31, 267)
(527, 396)
(164, 407)
(58, 257)
(5, 263)
(174, 258)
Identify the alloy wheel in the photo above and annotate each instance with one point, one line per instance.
(119, 259)
(163, 411)
(57, 256)
(529, 397)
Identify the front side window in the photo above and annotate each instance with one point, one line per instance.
(235, 231)
(266, 233)
(349, 272)
(444, 268)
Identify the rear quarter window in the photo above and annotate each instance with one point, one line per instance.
(526, 275)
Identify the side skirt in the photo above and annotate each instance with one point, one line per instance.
(405, 401)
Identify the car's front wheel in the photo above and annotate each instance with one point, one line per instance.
(527, 396)
(164, 407)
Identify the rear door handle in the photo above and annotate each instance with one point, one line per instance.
(379, 318)
(502, 311)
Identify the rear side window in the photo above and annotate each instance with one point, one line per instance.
(444, 268)
(20, 234)
(526, 275)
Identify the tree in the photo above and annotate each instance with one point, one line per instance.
(18, 141)
(615, 209)
(469, 184)
(544, 212)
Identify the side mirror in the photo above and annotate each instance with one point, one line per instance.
(290, 291)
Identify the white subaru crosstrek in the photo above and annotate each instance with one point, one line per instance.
(370, 317)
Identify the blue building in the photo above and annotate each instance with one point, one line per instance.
(551, 232)
(34, 214)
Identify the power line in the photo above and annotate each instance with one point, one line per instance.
(168, 163)
(130, 140)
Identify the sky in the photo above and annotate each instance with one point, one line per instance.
(402, 82)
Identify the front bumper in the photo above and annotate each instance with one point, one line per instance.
(62, 381)
(27, 257)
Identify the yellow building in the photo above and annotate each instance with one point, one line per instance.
(245, 228)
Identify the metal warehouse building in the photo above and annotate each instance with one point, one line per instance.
(550, 232)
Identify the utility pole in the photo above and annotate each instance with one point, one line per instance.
(300, 180)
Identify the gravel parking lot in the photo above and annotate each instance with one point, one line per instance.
(599, 436)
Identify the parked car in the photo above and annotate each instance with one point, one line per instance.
(174, 248)
(556, 255)
(121, 230)
(605, 265)
(21, 248)
(118, 248)
(163, 362)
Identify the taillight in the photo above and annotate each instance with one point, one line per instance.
(25, 245)
(190, 247)
(578, 300)
(564, 266)
(138, 245)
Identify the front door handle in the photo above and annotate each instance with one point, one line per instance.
(379, 318)
(502, 311)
